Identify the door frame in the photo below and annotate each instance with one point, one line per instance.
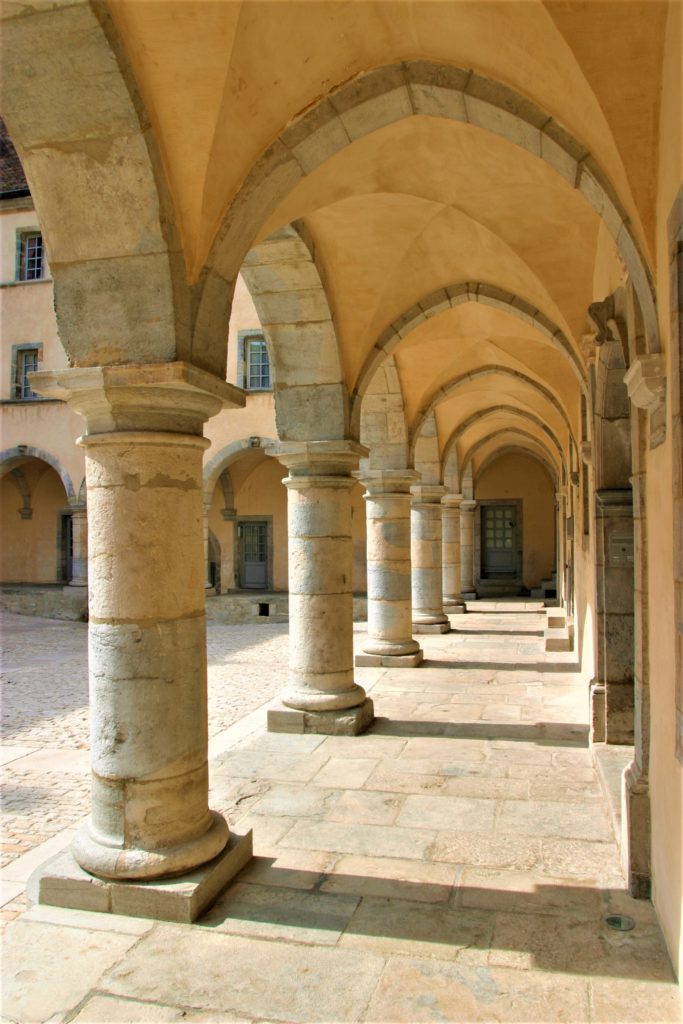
(491, 582)
(268, 520)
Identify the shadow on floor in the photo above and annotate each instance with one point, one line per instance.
(519, 633)
(549, 927)
(568, 733)
(506, 666)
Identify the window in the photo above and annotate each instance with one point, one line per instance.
(257, 367)
(25, 360)
(30, 263)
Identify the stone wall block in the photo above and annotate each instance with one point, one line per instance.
(316, 137)
(389, 582)
(327, 648)
(134, 673)
(319, 511)
(116, 178)
(311, 412)
(373, 101)
(102, 301)
(322, 566)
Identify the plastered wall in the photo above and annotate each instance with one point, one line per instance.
(666, 771)
(516, 476)
(29, 549)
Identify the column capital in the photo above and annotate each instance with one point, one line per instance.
(452, 502)
(468, 505)
(318, 458)
(387, 481)
(173, 397)
(427, 494)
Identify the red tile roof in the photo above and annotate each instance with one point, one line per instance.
(12, 179)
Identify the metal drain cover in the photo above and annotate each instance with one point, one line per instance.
(620, 922)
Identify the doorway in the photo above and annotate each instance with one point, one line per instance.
(254, 553)
(500, 548)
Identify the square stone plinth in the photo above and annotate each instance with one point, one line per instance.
(431, 627)
(61, 882)
(346, 722)
(389, 660)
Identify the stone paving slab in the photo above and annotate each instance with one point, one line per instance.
(441, 867)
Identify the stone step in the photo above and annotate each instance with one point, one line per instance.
(558, 639)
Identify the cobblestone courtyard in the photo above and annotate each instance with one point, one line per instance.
(456, 863)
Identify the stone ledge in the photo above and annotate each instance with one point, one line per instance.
(61, 882)
(389, 660)
(346, 722)
(558, 639)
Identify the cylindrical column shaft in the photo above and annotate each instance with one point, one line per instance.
(427, 586)
(390, 641)
(79, 540)
(467, 508)
(147, 633)
(208, 582)
(147, 653)
(450, 525)
(321, 690)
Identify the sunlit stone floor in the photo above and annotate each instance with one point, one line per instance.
(456, 863)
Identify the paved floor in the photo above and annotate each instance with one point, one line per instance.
(456, 863)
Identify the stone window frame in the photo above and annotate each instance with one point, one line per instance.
(22, 272)
(17, 385)
(245, 337)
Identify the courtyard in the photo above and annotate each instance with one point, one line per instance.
(455, 863)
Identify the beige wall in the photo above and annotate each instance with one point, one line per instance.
(29, 549)
(666, 772)
(517, 476)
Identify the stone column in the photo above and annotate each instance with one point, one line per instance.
(208, 583)
(452, 580)
(79, 539)
(561, 545)
(426, 553)
(467, 508)
(635, 809)
(614, 614)
(321, 694)
(147, 632)
(390, 641)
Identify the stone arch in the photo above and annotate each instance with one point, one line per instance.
(449, 298)
(473, 375)
(492, 410)
(516, 449)
(424, 454)
(382, 420)
(221, 460)
(120, 294)
(516, 431)
(10, 456)
(394, 92)
(286, 287)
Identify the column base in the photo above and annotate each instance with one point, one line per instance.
(619, 712)
(390, 660)
(635, 833)
(61, 882)
(344, 722)
(120, 863)
(432, 627)
(454, 607)
(597, 711)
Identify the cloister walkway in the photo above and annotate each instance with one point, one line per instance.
(456, 863)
